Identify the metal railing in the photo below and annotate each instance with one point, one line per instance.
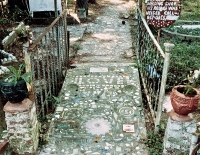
(153, 66)
(47, 57)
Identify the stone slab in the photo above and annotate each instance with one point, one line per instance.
(18, 107)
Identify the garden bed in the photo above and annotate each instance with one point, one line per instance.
(186, 30)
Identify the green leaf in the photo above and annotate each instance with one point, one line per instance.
(17, 74)
(13, 70)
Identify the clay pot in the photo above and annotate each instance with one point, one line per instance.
(182, 104)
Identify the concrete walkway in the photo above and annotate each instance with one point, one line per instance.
(101, 111)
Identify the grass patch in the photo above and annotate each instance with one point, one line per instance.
(184, 58)
(181, 30)
(186, 53)
(190, 10)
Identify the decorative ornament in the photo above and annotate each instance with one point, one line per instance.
(98, 126)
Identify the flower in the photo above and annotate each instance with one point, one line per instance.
(98, 126)
(193, 81)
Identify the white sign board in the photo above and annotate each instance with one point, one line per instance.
(162, 13)
(98, 69)
(44, 5)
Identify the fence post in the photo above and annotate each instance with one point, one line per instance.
(27, 60)
(168, 48)
(55, 7)
(66, 43)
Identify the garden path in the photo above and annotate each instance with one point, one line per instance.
(101, 110)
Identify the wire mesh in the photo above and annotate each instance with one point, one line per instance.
(151, 61)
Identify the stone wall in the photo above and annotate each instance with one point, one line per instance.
(22, 126)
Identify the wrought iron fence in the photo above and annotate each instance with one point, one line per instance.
(47, 57)
(153, 66)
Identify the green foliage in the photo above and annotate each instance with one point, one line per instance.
(18, 74)
(4, 21)
(184, 58)
(8, 16)
(1, 131)
(190, 10)
(43, 129)
(46, 121)
(53, 100)
(76, 47)
(191, 84)
(181, 30)
(154, 141)
(17, 14)
(4, 15)
(18, 143)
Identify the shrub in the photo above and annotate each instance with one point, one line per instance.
(184, 58)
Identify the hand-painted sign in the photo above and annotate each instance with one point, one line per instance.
(162, 13)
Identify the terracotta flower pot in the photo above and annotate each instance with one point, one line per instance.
(182, 104)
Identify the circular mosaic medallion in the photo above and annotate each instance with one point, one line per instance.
(72, 87)
(126, 111)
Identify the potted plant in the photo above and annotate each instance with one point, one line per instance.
(185, 98)
(13, 87)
